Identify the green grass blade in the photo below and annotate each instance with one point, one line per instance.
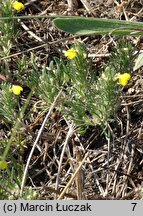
(85, 26)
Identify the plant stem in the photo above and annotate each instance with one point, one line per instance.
(16, 127)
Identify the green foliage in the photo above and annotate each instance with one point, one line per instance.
(104, 101)
(11, 182)
(7, 28)
(50, 81)
(30, 194)
(8, 104)
(32, 72)
(87, 99)
(85, 26)
(92, 99)
(6, 8)
(122, 56)
(10, 178)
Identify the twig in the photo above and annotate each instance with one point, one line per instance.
(73, 177)
(30, 32)
(115, 176)
(108, 157)
(79, 177)
(38, 47)
(128, 173)
(72, 4)
(86, 5)
(69, 134)
(36, 141)
(131, 103)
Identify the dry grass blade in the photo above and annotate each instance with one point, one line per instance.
(87, 5)
(30, 32)
(36, 141)
(79, 177)
(73, 177)
(69, 134)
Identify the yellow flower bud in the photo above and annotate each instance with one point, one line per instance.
(3, 165)
(16, 89)
(70, 54)
(18, 6)
(124, 78)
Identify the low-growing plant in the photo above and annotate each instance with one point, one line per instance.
(88, 26)
(88, 97)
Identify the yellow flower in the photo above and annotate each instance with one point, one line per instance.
(3, 165)
(71, 53)
(18, 6)
(124, 78)
(16, 89)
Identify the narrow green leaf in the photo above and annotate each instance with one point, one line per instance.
(85, 26)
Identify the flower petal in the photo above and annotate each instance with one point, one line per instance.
(3, 165)
(70, 54)
(16, 89)
(18, 6)
(124, 78)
